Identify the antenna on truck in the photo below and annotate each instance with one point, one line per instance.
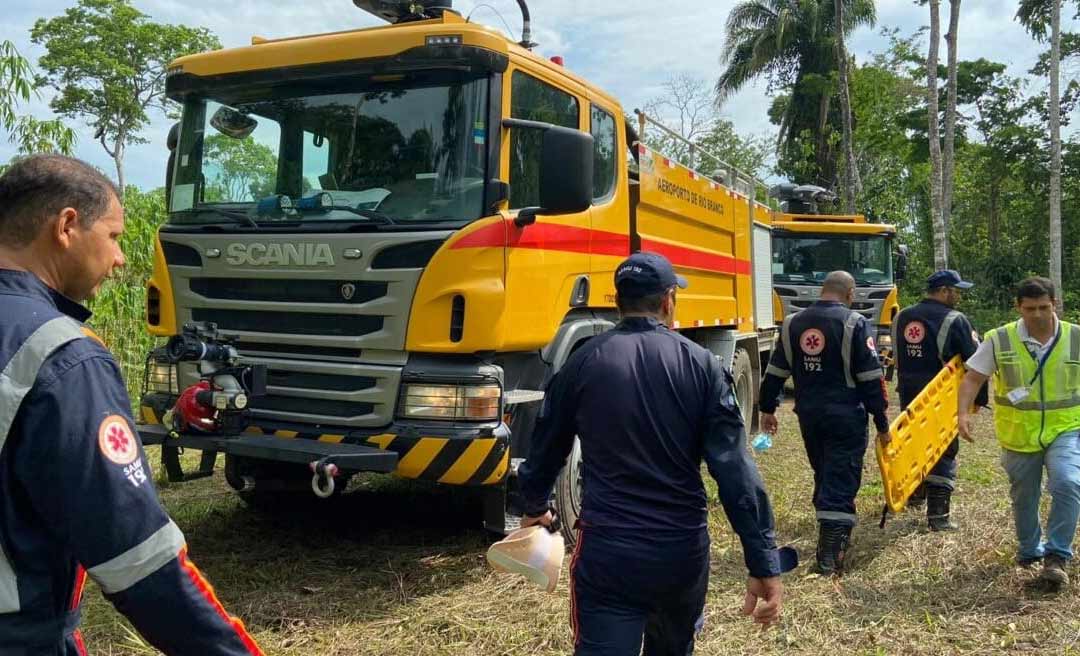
(404, 11)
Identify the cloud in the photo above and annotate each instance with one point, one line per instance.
(626, 47)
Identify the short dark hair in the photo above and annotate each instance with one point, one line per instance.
(35, 188)
(640, 304)
(1035, 287)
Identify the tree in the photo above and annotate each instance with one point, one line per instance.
(791, 44)
(851, 185)
(941, 236)
(948, 164)
(688, 109)
(1035, 15)
(29, 134)
(107, 61)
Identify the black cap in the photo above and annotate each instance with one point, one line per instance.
(646, 274)
(947, 278)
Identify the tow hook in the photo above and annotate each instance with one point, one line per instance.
(322, 480)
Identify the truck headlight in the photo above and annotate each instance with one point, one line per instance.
(451, 402)
(162, 377)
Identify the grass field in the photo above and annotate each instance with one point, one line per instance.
(392, 568)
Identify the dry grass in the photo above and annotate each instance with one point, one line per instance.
(394, 569)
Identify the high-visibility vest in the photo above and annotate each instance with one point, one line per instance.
(1051, 406)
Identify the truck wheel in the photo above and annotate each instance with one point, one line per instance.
(744, 386)
(569, 491)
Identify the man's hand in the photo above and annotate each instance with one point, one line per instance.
(763, 600)
(769, 423)
(963, 421)
(884, 437)
(543, 520)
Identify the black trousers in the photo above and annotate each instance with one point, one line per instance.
(835, 446)
(629, 587)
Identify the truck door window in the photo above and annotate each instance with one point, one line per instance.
(533, 100)
(605, 146)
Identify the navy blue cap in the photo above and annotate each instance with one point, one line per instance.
(646, 274)
(947, 278)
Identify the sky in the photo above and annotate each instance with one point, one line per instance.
(628, 47)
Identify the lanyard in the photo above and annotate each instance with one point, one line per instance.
(1046, 355)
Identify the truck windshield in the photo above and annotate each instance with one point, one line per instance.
(807, 259)
(403, 149)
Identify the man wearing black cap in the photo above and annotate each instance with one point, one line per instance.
(648, 405)
(927, 335)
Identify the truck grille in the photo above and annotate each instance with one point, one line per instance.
(289, 323)
(289, 291)
(332, 334)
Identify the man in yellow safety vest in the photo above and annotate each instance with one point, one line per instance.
(1035, 363)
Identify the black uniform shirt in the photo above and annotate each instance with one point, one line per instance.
(926, 336)
(649, 405)
(830, 352)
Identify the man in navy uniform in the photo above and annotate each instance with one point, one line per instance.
(76, 495)
(829, 352)
(649, 405)
(927, 336)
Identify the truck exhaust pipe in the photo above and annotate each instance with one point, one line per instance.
(526, 27)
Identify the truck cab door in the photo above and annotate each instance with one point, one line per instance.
(547, 259)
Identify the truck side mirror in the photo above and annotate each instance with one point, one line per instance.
(566, 171)
(901, 264)
(171, 142)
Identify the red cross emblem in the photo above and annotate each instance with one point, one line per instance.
(116, 441)
(812, 341)
(915, 332)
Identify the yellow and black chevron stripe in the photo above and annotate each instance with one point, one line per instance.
(454, 461)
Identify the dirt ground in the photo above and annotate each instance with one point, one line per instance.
(395, 568)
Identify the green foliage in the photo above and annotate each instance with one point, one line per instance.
(120, 306)
(245, 169)
(792, 44)
(107, 62)
(29, 134)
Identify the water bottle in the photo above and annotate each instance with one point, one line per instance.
(761, 442)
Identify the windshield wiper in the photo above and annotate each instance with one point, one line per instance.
(235, 215)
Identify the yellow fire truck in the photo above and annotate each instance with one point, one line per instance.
(808, 245)
(409, 228)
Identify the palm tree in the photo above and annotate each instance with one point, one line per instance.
(792, 43)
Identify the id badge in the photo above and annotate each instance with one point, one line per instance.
(1018, 395)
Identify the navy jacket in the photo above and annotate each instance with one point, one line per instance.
(649, 405)
(926, 336)
(77, 497)
(829, 350)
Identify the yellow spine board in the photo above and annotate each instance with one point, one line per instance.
(920, 435)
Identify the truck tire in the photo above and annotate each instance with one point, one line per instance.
(743, 373)
(568, 494)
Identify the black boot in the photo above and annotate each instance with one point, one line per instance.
(832, 543)
(937, 508)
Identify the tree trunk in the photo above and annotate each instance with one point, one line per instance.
(948, 157)
(1055, 151)
(851, 173)
(993, 227)
(118, 159)
(822, 151)
(941, 237)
